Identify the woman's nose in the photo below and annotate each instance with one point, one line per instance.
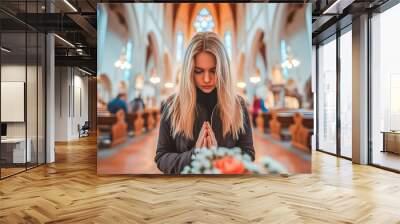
(206, 77)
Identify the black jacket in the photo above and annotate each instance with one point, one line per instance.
(173, 154)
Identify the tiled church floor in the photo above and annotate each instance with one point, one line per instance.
(137, 156)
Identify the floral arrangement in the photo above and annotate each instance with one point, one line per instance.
(229, 161)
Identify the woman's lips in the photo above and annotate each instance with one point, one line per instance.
(207, 87)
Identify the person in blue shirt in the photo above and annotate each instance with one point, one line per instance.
(118, 103)
(264, 109)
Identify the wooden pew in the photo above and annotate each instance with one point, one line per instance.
(301, 135)
(157, 115)
(138, 124)
(131, 117)
(275, 126)
(260, 122)
(308, 122)
(104, 123)
(119, 130)
(279, 125)
(152, 118)
(106, 120)
(141, 121)
(286, 119)
(151, 122)
(267, 118)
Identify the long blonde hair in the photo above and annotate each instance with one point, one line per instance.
(182, 107)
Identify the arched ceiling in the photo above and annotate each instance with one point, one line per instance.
(185, 13)
(152, 49)
(295, 18)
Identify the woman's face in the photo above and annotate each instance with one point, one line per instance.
(204, 71)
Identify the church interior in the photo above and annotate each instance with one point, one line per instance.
(141, 49)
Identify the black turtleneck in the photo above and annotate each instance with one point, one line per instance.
(207, 100)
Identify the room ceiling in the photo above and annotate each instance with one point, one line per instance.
(330, 15)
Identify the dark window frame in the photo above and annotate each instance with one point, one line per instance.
(43, 39)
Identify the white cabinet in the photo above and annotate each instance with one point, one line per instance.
(18, 149)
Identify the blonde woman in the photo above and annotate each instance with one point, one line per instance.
(205, 112)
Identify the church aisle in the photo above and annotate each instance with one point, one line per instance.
(137, 156)
(295, 160)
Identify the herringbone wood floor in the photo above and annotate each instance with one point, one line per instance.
(70, 191)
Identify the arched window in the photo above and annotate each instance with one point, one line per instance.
(129, 51)
(204, 21)
(283, 58)
(228, 43)
(179, 46)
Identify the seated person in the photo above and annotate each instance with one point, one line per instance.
(118, 103)
(264, 109)
(138, 104)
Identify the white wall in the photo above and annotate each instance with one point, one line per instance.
(61, 103)
(81, 100)
(14, 73)
(17, 73)
(71, 93)
(33, 127)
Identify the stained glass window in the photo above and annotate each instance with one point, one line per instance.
(179, 46)
(204, 21)
(228, 43)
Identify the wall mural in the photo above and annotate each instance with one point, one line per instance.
(204, 88)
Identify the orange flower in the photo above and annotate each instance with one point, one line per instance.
(229, 165)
